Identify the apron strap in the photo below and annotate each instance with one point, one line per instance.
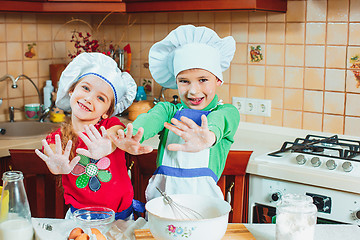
(186, 172)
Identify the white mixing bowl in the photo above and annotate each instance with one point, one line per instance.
(164, 225)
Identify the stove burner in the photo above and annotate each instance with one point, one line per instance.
(322, 146)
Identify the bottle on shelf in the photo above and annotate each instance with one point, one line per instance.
(48, 89)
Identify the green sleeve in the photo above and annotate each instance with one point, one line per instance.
(223, 122)
(153, 121)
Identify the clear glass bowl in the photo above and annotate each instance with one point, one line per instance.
(95, 217)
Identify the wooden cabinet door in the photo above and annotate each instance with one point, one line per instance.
(234, 178)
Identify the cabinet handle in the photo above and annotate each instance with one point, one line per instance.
(129, 169)
(228, 193)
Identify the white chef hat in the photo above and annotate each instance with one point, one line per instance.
(104, 67)
(189, 47)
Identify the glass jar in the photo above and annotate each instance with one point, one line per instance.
(15, 215)
(295, 218)
(140, 94)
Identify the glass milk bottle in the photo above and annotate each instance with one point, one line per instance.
(15, 215)
(295, 218)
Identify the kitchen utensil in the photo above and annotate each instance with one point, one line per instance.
(165, 226)
(180, 211)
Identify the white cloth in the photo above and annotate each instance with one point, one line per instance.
(189, 47)
(104, 67)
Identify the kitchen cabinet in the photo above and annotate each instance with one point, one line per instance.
(132, 6)
(234, 178)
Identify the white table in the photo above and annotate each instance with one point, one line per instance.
(62, 227)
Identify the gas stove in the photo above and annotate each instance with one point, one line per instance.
(326, 168)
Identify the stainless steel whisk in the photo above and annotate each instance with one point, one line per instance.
(180, 211)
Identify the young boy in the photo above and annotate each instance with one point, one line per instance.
(196, 134)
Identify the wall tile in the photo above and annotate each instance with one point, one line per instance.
(352, 126)
(315, 33)
(338, 10)
(295, 11)
(256, 92)
(14, 51)
(12, 17)
(294, 55)
(44, 70)
(238, 74)
(276, 95)
(161, 17)
(2, 32)
(336, 56)
(29, 32)
(351, 82)
(276, 118)
(352, 52)
(293, 99)
(176, 17)
(334, 103)
(224, 93)
(314, 78)
(294, 77)
(316, 11)
(30, 89)
(241, 53)
(312, 121)
(134, 33)
(3, 50)
(275, 17)
(335, 80)
(4, 89)
(160, 32)
(274, 76)
(256, 75)
(222, 17)
(337, 33)
(257, 32)
(314, 56)
(352, 104)
(238, 90)
(313, 101)
(44, 50)
(240, 32)
(205, 17)
(223, 29)
(354, 10)
(292, 119)
(333, 124)
(354, 34)
(239, 17)
(275, 33)
(31, 69)
(257, 16)
(28, 18)
(147, 33)
(44, 32)
(13, 32)
(295, 33)
(275, 54)
(59, 49)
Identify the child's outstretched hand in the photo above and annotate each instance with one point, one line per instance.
(98, 146)
(58, 162)
(129, 143)
(196, 137)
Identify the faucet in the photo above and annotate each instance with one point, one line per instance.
(44, 112)
(161, 95)
(12, 112)
(3, 78)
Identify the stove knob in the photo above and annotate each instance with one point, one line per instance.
(301, 160)
(331, 164)
(347, 166)
(275, 196)
(356, 215)
(315, 161)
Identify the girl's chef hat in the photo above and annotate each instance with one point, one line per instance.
(189, 47)
(104, 67)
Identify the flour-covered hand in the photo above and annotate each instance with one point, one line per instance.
(99, 145)
(58, 162)
(130, 143)
(197, 138)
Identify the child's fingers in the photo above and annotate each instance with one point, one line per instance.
(139, 135)
(83, 151)
(85, 139)
(58, 148)
(179, 124)
(68, 149)
(145, 149)
(47, 148)
(129, 132)
(104, 132)
(73, 162)
(204, 122)
(189, 123)
(95, 131)
(174, 129)
(121, 134)
(41, 155)
(89, 133)
(176, 147)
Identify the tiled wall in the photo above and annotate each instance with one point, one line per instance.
(305, 72)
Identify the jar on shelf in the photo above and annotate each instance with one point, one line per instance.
(295, 218)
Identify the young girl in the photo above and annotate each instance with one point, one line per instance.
(94, 89)
(196, 134)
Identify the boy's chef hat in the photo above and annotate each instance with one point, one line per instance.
(105, 68)
(189, 47)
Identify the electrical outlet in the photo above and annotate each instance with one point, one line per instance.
(264, 107)
(239, 103)
(251, 106)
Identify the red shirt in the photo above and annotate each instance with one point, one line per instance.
(117, 193)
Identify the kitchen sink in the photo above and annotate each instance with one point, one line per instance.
(25, 129)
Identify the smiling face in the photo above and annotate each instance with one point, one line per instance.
(197, 87)
(91, 100)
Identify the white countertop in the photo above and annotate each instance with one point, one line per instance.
(259, 231)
